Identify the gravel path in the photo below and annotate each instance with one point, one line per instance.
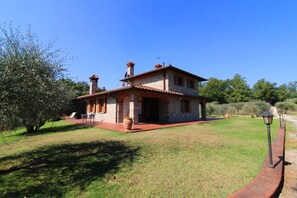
(290, 182)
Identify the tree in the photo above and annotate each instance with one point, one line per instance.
(238, 107)
(255, 108)
(238, 90)
(30, 90)
(287, 105)
(215, 90)
(292, 89)
(282, 92)
(265, 91)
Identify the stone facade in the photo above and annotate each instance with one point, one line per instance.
(152, 80)
(109, 115)
(166, 94)
(176, 115)
(182, 89)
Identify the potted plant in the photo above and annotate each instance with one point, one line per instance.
(128, 122)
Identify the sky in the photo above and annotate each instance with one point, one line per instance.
(209, 38)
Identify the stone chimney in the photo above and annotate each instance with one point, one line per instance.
(158, 66)
(130, 69)
(93, 84)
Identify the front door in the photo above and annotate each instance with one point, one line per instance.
(150, 109)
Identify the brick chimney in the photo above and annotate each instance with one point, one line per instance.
(158, 66)
(130, 69)
(93, 84)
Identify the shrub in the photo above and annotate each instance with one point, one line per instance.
(287, 105)
(255, 108)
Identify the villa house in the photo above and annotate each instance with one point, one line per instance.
(166, 94)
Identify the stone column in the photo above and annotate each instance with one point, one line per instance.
(203, 109)
(134, 108)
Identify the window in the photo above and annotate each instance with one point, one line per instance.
(185, 106)
(190, 84)
(178, 80)
(101, 106)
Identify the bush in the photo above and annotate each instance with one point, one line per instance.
(287, 105)
(210, 109)
(238, 107)
(255, 108)
(214, 108)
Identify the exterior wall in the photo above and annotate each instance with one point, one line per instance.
(182, 89)
(175, 114)
(164, 110)
(126, 106)
(110, 115)
(155, 80)
(131, 103)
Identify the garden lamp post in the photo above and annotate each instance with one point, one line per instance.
(280, 112)
(268, 118)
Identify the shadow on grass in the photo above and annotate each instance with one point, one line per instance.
(53, 171)
(53, 128)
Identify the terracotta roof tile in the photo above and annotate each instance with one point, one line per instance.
(156, 90)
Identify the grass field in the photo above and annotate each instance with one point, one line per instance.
(66, 160)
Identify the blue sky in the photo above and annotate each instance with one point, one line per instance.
(210, 38)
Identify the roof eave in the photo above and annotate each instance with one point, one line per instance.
(200, 79)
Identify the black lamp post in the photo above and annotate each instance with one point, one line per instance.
(268, 118)
(280, 112)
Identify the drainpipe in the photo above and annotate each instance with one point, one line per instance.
(116, 117)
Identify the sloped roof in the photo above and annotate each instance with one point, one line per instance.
(138, 87)
(147, 88)
(200, 79)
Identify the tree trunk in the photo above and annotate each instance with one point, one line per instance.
(30, 128)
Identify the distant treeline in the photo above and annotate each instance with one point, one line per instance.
(237, 90)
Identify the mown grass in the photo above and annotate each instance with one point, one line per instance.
(65, 160)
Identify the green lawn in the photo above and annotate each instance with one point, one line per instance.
(65, 160)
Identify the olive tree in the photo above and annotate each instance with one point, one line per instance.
(30, 90)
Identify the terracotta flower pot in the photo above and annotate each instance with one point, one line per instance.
(128, 122)
(227, 116)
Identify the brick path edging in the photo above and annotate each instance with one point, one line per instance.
(269, 180)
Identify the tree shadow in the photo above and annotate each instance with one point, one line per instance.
(53, 128)
(53, 171)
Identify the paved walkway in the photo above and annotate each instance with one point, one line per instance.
(136, 128)
(290, 180)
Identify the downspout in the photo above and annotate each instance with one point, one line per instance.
(116, 117)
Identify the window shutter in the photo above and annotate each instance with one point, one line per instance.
(97, 106)
(89, 107)
(104, 105)
(100, 105)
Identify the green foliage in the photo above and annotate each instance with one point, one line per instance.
(78, 89)
(255, 108)
(210, 109)
(30, 92)
(238, 107)
(292, 89)
(282, 92)
(287, 105)
(237, 90)
(214, 90)
(214, 108)
(265, 91)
